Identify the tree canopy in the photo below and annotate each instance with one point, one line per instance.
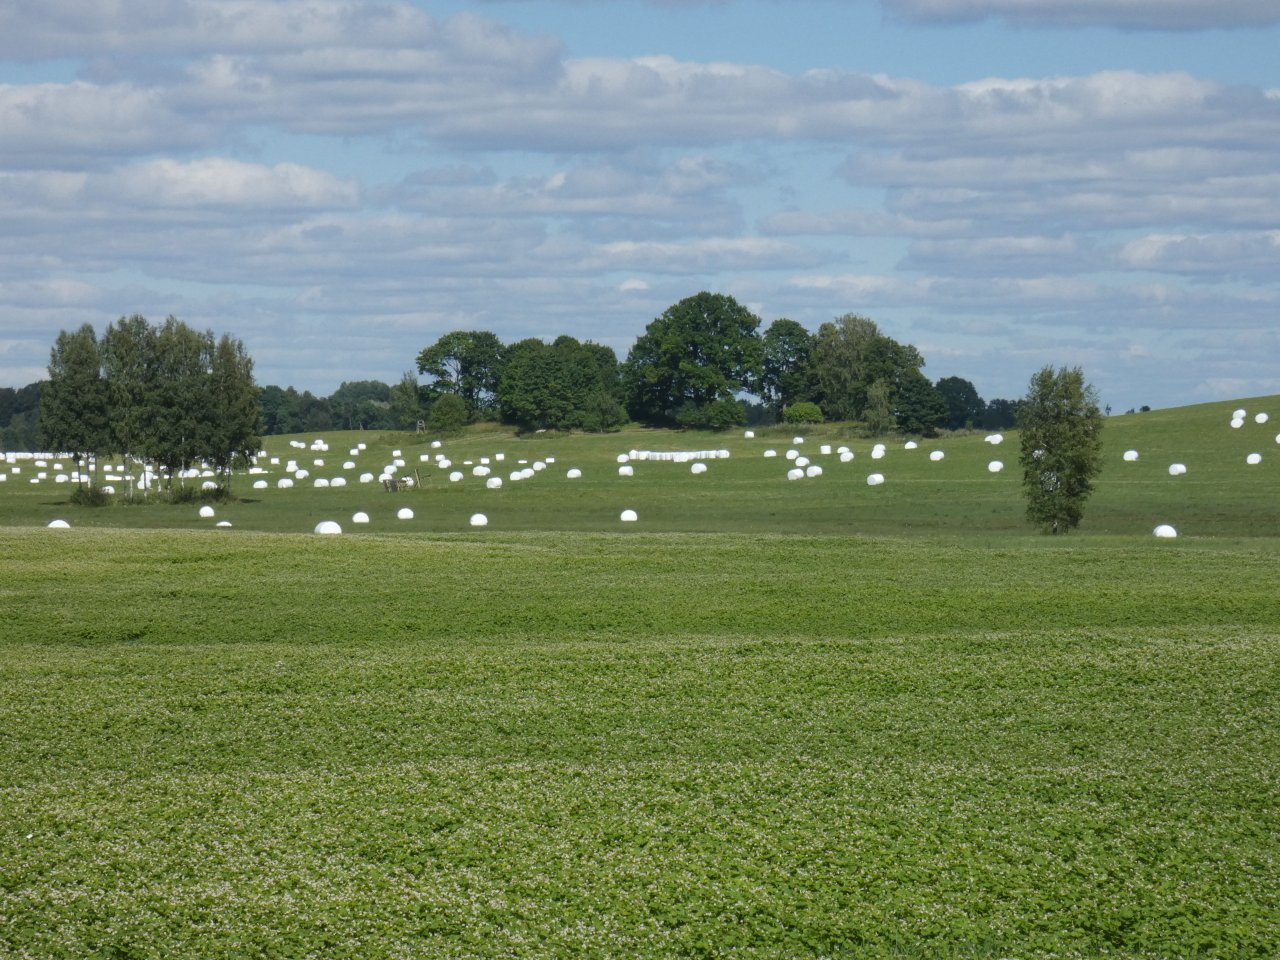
(701, 350)
(467, 363)
(1061, 447)
(168, 395)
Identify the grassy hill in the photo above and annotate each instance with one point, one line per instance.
(1220, 495)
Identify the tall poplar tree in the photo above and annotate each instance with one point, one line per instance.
(1061, 447)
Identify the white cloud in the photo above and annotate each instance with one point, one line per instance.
(1134, 14)
(217, 182)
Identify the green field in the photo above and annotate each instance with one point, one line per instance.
(770, 719)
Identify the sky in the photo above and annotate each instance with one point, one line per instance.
(1006, 184)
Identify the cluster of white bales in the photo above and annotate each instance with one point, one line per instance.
(800, 467)
(1167, 531)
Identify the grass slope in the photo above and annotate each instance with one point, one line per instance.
(563, 744)
(1219, 495)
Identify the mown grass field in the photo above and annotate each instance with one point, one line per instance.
(909, 727)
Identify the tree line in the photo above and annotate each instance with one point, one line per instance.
(162, 394)
(704, 363)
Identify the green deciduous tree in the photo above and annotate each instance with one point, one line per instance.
(964, 406)
(405, 402)
(703, 349)
(362, 405)
(918, 406)
(1061, 447)
(839, 361)
(448, 415)
(234, 416)
(73, 407)
(786, 375)
(467, 363)
(565, 385)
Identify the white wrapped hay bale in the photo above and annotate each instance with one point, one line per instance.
(875, 479)
(493, 483)
(479, 520)
(813, 470)
(320, 483)
(456, 476)
(1237, 423)
(59, 525)
(349, 465)
(802, 462)
(260, 484)
(366, 478)
(825, 449)
(284, 483)
(628, 516)
(573, 474)
(338, 482)
(1177, 469)
(1165, 531)
(846, 456)
(936, 455)
(1261, 418)
(328, 528)
(774, 453)
(1253, 459)
(748, 435)
(223, 523)
(910, 445)
(995, 466)
(877, 452)
(626, 470)
(698, 468)
(995, 438)
(624, 457)
(1130, 456)
(404, 513)
(795, 473)
(359, 517)
(206, 512)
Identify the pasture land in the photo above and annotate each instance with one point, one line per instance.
(505, 744)
(1220, 495)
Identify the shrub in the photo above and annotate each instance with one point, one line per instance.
(803, 413)
(448, 415)
(89, 495)
(716, 415)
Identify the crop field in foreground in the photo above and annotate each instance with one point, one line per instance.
(533, 744)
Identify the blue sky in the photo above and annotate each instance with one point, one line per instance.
(1004, 183)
